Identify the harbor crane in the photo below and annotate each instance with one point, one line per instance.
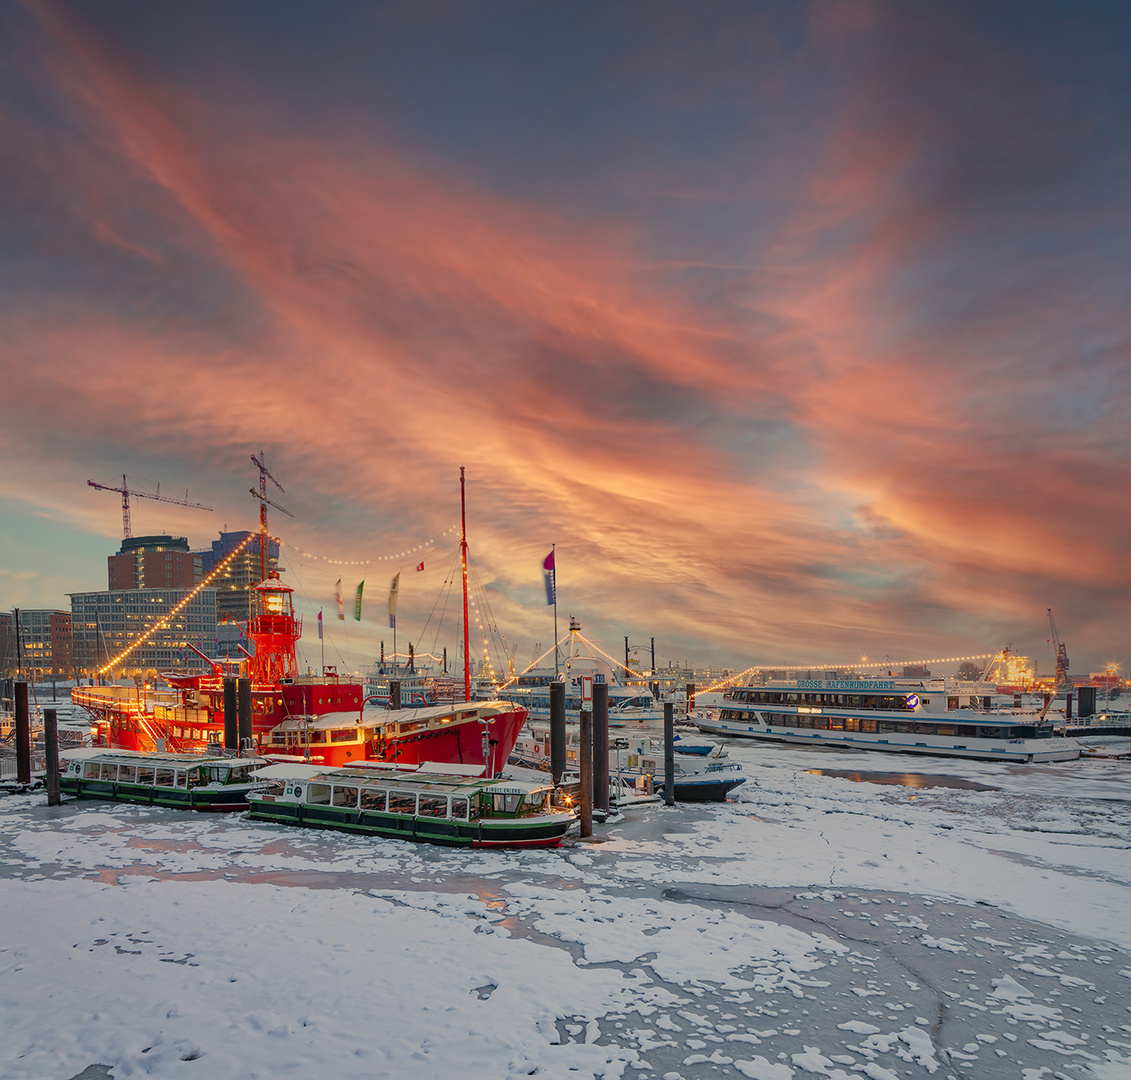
(127, 493)
(264, 502)
(1061, 678)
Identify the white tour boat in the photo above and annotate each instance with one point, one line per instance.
(915, 715)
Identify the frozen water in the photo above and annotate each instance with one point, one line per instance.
(816, 926)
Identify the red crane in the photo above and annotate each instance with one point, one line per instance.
(125, 492)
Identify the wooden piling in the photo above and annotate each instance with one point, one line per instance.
(23, 734)
(557, 731)
(51, 752)
(243, 712)
(231, 716)
(669, 755)
(585, 753)
(601, 746)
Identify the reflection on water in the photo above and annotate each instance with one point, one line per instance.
(912, 780)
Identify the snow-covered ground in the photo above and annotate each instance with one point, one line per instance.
(816, 926)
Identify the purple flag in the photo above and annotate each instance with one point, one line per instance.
(549, 574)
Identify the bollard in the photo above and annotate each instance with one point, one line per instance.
(23, 735)
(51, 753)
(601, 746)
(669, 755)
(231, 716)
(557, 731)
(585, 753)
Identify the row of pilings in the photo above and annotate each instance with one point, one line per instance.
(22, 734)
(593, 751)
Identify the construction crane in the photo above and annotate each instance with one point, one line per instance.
(1061, 679)
(126, 493)
(264, 502)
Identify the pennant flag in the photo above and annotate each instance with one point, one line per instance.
(341, 610)
(550, 575)
(419, 567)
(319, 625)
(393, 590)
(357, 603)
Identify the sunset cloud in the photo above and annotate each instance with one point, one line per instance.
(869, 407)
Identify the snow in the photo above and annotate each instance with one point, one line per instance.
(815, 926)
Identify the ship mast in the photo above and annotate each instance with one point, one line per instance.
(463, 559)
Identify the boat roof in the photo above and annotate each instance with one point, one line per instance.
(148, 757)
(375, 718)
(422, 779)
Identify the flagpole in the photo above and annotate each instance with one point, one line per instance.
(463, 557)
(557, 670)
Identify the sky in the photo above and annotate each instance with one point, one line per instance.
(812, 926)
(798, 330)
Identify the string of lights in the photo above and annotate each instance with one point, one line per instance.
(863, 662)
(422, 546)
(163, 621)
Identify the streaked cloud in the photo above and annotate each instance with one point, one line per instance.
(867, 410)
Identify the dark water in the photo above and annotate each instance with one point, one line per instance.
(912, 780)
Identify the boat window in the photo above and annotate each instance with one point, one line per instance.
(317, 736)
(836, 723)
(372, 799)
(145, 776)
(852, 724)
(886, 726)
(164, 778)
(238, 773)
(90, 770)
(109, 772)
(944, 729)
(345, 796)
(952, 703)
(867, 725)
(923, 729)
(181, 780)
(459, 808)
(433, 805)
(343, 735)
(506, 804)
(127, 774)
(989, 733)
(319, 794)
(402, 802)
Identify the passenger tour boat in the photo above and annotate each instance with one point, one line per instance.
(435, 803)
(181, 781)
(923, 716)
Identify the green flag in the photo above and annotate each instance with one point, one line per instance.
(357, 603)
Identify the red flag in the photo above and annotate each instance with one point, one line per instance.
(420, 566)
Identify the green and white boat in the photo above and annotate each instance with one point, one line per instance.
(432, 803)
(182, 781)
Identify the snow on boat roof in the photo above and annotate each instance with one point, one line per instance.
(375, 718)
(85, 753)
(433, 775)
